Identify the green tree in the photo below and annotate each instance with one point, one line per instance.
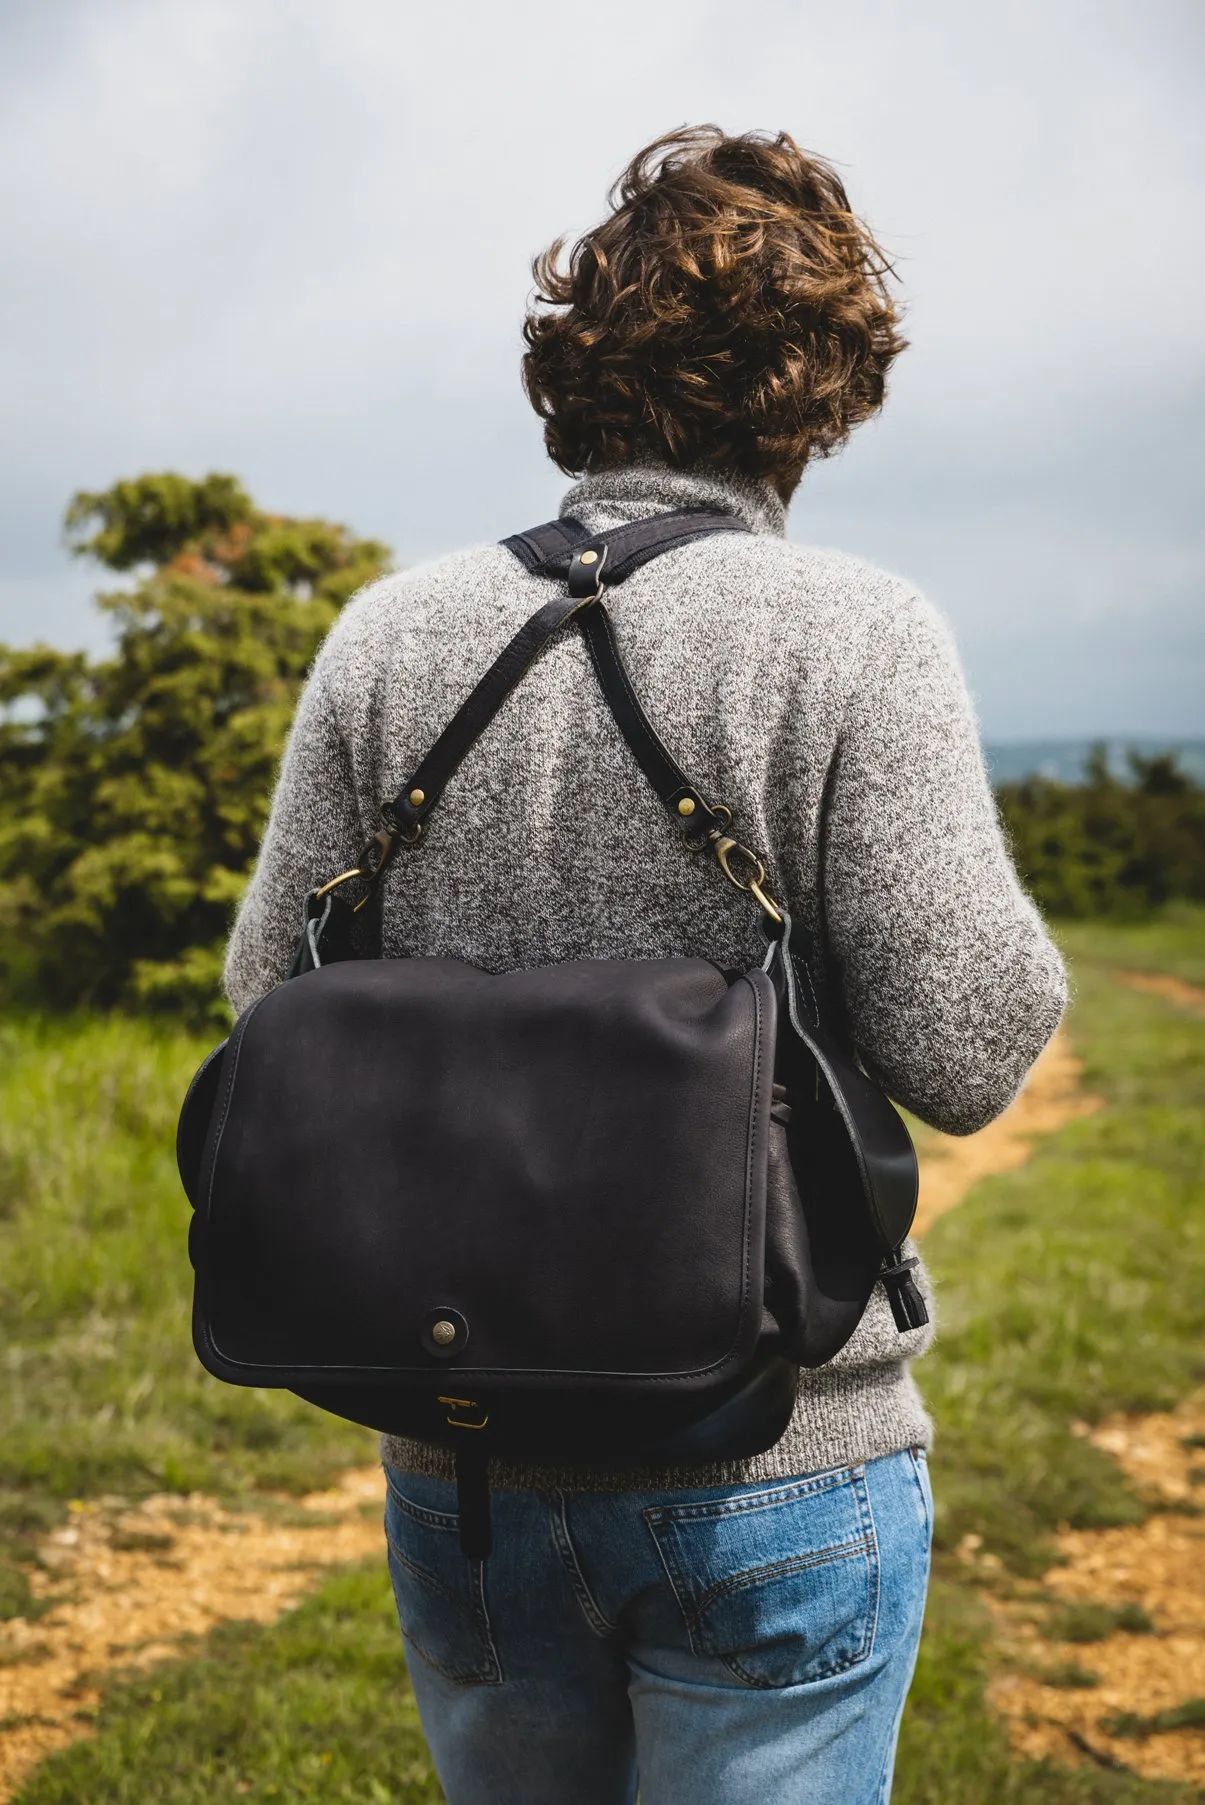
(134, 788)
(1109, 846)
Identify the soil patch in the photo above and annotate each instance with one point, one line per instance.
(1172, 990)
(1158, 1567)
(1051, 1097)
(129, 1586)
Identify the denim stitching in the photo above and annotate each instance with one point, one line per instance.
(796, 1563)
(487, 1628)
(668, 1570)
(764, 1500)
(563, 1540)
(926, 1516)
(428, 1578)
(476, 1615)
(866, 1546)
(436, 1519)
(876, 1570)
(822, 1673)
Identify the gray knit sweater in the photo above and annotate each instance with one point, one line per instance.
(818, 697)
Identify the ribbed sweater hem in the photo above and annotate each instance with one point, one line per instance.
(841, 1419)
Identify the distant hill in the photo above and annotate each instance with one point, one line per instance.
(1063, 760)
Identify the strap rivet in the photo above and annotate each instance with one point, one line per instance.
(417, 798)
(443, 1332)
(589, 557)
(686, 806)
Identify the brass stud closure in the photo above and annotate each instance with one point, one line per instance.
(686, 806)
(589, 557)
(444, 1333)
(417, 798)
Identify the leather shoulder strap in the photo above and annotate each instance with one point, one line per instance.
(548, 550)
(423, 789)
(568, 550)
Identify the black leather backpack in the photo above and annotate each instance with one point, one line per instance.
(600, 1211)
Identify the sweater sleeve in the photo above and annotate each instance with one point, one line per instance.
(950, 984)
(314, 831)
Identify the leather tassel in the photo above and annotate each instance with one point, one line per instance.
(907, 1305)
(473, 1501)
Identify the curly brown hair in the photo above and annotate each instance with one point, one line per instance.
(731, 312)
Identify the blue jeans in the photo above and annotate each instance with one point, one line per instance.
(729, 1646)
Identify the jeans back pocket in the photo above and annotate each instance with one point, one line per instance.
(781, 1583)
(440, 1596)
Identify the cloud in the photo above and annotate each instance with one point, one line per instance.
(294, 242)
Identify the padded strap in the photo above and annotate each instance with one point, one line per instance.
(548, 550)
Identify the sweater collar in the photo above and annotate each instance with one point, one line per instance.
(609, 498)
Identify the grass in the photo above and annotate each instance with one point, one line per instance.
(1070, 1289)
(1091, 1622)
(100, 1392)
(316, 1709)
(1188, 1716)
(1173, 942)
(1068, 1675)
(1074, 1287)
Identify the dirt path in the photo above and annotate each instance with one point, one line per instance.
(131, 1584)
(1172, 990)
(1159, 1567)
(1052, 1097)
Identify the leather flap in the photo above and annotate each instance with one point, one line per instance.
(565, 1167)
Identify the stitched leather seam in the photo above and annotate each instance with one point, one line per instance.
(751, 1138)
(655, 749)
(685, 532)
(483, 1613)
(236, 1047)
(483, 702)
(486, 1374)
(865, 1179)
(190, 1093)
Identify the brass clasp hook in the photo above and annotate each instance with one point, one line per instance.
(752, 879)
(372, 861)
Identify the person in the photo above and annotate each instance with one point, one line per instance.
(746, 1632)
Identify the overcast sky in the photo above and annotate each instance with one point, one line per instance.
(292, 239)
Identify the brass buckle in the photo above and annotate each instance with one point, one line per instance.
(752, 881)
(458, 1404)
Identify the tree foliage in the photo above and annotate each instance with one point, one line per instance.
(1106, 846)
(134, 788)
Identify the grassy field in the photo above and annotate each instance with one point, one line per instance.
(1070, 1289)
(100, 1392)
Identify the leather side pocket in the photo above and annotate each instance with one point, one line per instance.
(780, 1584)
(440, 1596)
